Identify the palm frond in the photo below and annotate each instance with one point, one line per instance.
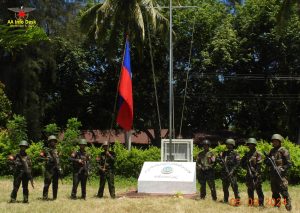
(87, 19)
(139, 21)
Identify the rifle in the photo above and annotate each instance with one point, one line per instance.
(273, 165)
(226, 169)
(252, 176)
(85, 167)
(54, 159)
(56, 166)
(26, 170)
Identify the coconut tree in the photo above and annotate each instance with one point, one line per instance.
(108, 20)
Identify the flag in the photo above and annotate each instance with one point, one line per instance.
(125, 100)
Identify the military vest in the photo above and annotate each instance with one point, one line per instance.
(78, 155)
(53, 158)
(107, 162)
(231, 158)
(205, 160)
(22, 163)
(280, 156)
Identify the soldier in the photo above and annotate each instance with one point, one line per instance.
(205, 163)
(278, 161)
(53, 170)
(22, 172)
(230, 161)
(106, 170)
(80, 161)
(252, 163)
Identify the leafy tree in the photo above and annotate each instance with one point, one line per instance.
(5, 107)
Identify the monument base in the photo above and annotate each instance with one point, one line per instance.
(168, 178)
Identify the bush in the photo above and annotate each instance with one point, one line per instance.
(10, 139)
(5, 107)
(129, 163)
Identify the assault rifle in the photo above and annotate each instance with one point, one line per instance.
(226, 169)
(252, 176)
(53, 159)
(85, 167)
(56, 165)
(273, 165)
(26, 170)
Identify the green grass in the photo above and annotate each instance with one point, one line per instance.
(123, 203)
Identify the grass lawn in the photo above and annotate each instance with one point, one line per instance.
(125, 204)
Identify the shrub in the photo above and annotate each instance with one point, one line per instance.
(5, 107)
(129, 163)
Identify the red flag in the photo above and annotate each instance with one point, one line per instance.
(125, 101)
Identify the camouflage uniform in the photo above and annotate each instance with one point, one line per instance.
(106, 172)
(205, 162)
(52, 171)
(281, 158)
(252, 163)
(22, 174)
(80, 171)
(232, 160)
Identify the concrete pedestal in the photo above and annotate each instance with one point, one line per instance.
(168, 178)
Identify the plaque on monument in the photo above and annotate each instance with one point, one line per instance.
(168, 178)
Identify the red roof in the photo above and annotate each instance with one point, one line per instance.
(99, 136)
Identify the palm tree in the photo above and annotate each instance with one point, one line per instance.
(111, 18)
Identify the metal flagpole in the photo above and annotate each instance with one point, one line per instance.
(171, 86)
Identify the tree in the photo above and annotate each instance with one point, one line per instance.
(5, 107)
(286, 10)
(113, 18)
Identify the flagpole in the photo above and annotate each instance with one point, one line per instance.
(171, 86)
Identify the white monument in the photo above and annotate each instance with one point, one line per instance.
(174, 177)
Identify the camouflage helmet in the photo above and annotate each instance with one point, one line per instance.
(206, 142)
(230, 141)
(251, 141)
(277, 137)
(82, 142)
(52, 137)
(23, 143)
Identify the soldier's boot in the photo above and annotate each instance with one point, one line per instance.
(250, 196)
(73, 194)
(13, 196)
(111, 189)
(261, 196)
(25, 199)
(288, 202)
(54, 193)
(261, 201)
(214, 195)
(74, 191)
(25, 193)
(237, 195)
(276, 199)
(226, 193)
(45, 193)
